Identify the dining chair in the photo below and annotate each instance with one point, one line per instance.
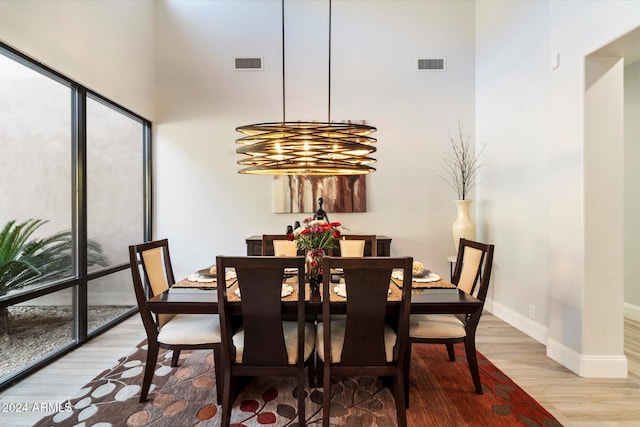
(473, 267)
(353, 245)
(352, 248)
(278, 245)
(256, 339)
(172, 331)
(363, 342)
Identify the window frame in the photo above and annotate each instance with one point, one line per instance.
(80, 277)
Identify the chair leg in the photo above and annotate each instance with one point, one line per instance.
(401, 403)
(319, 372)
(301, 392)
(152, 358)
(405, 373)
(451, 352)
(227, 401)
(326, 398)
(175, 357)
(472, 359)
(311, 371)
(219, 372)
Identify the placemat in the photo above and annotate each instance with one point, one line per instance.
(395, 286)
(186, 283)
(440, 284)
(291, 281)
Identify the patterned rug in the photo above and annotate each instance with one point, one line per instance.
(185, 396)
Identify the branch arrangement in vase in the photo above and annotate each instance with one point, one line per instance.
(461, 166)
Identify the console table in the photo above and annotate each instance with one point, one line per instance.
(254, 246)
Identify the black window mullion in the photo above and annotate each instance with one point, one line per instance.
(148, 182)
(79, 117)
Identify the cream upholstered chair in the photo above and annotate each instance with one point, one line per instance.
(473, 266)
(285, 248)
(172, 331)
(364, 343)
(352, 248)
(257, 340)
(278, 245)
(353, 245)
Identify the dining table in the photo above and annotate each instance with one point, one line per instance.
(439, 297)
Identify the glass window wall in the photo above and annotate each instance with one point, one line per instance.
(35, 179)
(75, 180)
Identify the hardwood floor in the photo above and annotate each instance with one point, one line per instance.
(62, 379)
(574, 401)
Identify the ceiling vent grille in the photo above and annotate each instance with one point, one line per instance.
(437, 64)
(248, 63)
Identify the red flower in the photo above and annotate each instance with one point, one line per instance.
(317, 234)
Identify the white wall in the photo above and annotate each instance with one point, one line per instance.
(512, 101)
(108, 46)
(531, 115)
(632, 190)
(205, 208)
(603, 329)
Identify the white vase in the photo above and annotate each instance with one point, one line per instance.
(463, 226)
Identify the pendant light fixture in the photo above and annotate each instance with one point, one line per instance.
(306, 148)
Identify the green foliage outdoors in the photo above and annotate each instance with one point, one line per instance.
(25, 260)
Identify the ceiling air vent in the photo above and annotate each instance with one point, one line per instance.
(248, 63)
(431, 64)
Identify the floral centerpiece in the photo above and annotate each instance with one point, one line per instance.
(315, 236)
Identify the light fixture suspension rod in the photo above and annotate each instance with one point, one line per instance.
(329, 100)
(284, 110)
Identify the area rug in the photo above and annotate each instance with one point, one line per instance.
(441, 394)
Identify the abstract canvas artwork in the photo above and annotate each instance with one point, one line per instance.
(295, 194)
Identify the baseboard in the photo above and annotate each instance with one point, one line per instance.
(602, 366)
(599, 366)
(518, 321)
(632, 312)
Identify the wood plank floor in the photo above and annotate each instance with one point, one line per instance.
(62, 379)
(574, 401)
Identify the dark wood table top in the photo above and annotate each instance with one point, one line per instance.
(423, 301)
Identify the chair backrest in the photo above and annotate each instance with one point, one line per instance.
(352, 248)
(473, 266)
(155, 261)
(285, 248)
(278, 245)
(367, 281)
(369, 241)
(260, 282)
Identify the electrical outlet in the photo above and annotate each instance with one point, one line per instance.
(532, 311)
